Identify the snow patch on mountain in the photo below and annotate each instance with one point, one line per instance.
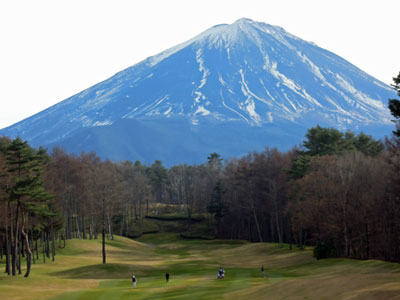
(290, 83)
(270, 118)
(167, 112)
(103, 123)
(102, 97)
(202, 69)
(232, 109)
(251, 109)
(248, 75)
(384, 86)
(202, 111)
(314, 69)
(156, 59)
(346, 85)
(221, 79)
(246, 91)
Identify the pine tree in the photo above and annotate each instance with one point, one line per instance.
(158, 176)
(26, 192)
(329, 141)
(394, 105)
(214, 161)
(217, 207)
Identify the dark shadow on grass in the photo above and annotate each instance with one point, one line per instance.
(104, 271)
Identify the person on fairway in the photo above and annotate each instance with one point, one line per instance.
(167, 276)
(134, 280)
(221, 273)
(262, 271)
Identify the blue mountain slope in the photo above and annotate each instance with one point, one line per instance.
(232, 89)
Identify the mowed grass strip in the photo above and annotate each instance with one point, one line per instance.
(78, 272)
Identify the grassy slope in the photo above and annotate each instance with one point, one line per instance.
(79, 274)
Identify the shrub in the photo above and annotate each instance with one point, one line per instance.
(324, 250)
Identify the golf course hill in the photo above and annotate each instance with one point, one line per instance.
(78, 272)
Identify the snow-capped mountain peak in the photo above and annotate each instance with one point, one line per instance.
(226, 35)
(257, 80)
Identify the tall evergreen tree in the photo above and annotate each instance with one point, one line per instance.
(329, 141)
(394, 105)
(217, 207)
(158, 177)
(26, 193)
(214, 161)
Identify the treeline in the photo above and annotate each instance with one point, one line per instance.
(339, 193)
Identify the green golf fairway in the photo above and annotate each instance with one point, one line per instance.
(78, 272)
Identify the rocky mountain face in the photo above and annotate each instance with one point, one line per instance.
(232, 89)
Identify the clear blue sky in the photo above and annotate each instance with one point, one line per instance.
(52, 49)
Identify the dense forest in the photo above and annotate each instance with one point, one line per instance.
(338, 192)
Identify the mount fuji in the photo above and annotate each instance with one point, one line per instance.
(231, 89)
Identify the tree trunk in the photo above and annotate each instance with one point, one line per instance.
(43, 247)
(121, 228)
(83, 228)
(95, 230)
(14, 245)
(90, 229)
(19, 254)
(139, 210)
(25, 237)
(290, 231)
(22, 245)
(37, 249)
(127, 224)
(256, 221)
(28, 253)
(346, 233)
(103, 236)
(271, 225)
(31, 245)
(136, 210)
(8, 251)
(301, 238)
(48, 244)
(68, 227)
(77, 227)
(110, 230)
(278, 228)
(367, 241)
(53, 244)
(277, 219)
(8, 238)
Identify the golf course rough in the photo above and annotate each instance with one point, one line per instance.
(78, 272)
